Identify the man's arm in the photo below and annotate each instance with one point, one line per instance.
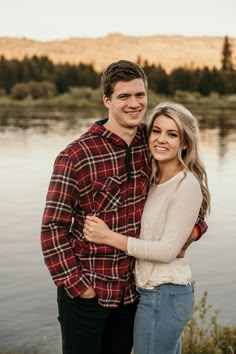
(58, 254)
(201, 226)
(199, 229)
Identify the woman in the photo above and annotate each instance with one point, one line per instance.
(178, 189)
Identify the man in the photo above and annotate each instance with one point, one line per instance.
(104, 172)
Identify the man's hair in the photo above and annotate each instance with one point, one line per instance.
(122, 70)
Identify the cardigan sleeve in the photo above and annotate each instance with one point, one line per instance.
(180, 219)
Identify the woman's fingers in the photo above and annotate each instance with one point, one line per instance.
(92, 218)
(88, 224)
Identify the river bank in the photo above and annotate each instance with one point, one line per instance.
(213, 110)
(85, 97)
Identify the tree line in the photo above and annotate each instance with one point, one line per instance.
(39, 77)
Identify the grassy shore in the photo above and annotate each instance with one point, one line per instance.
(85, 97)
(203, 334)
(212, 111)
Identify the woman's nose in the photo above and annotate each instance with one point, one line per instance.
(161, 138)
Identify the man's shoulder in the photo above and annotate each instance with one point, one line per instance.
(80, 144)
(84, 144)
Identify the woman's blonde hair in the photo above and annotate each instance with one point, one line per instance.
(189, 145)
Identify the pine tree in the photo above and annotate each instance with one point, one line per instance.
(227, 56)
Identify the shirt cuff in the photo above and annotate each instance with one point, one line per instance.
(198, 232)
(75, 285)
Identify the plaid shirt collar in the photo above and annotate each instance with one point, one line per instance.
(98, 129)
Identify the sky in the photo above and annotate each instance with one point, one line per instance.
(61, 19)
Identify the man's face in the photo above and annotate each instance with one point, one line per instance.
(127, 104)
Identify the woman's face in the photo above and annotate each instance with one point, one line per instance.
(164, 141)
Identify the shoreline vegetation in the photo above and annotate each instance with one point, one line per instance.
(214, 110)
(86, 97)
(203, 334)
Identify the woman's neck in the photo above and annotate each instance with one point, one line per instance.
(167, 171)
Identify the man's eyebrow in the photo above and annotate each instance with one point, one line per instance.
(124, 94)
(141, 93)
(130, 94)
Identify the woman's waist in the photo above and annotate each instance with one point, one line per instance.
(153, 273)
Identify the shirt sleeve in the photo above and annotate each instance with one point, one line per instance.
(58, 254)
(181, 218)
(201, 225)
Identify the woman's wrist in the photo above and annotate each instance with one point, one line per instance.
(109, 237)
(119, 241)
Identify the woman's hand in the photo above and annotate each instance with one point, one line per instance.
(96, 230)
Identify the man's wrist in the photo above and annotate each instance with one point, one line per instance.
(197, 232)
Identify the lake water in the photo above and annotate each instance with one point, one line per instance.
(28, 147)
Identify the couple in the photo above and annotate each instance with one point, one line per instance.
(97, 192)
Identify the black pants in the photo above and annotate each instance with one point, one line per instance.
(88, 328)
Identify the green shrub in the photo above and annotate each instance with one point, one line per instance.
(204, 335)
(43, 89)
(20, 91)
(33, 89)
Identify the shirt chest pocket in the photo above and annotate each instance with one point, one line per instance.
(106, 194)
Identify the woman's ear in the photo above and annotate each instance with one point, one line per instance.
(184, 151)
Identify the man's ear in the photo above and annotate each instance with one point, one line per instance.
(107, 101)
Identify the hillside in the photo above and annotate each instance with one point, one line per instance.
(169, 51)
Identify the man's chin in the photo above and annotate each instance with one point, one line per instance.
(134, 122)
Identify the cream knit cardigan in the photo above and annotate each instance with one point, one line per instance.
(170, 213)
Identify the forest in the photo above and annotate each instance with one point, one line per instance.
(38, 77)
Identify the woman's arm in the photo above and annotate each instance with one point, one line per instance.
(181, 218)
(96, 230)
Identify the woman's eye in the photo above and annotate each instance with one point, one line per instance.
(173, 134)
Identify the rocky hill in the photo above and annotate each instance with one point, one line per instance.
(169, 51)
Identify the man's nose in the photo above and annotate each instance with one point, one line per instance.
(133, 101)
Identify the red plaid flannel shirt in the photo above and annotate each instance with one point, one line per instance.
(96, 174)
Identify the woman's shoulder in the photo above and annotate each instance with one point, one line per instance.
(191, 178)
(189, 182)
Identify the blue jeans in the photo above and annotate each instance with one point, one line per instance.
(160, 318)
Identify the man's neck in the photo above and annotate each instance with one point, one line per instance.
(125, 133)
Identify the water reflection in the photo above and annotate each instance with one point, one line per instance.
(29, 144)
(46, 120)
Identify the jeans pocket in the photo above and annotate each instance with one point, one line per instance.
(183, 302)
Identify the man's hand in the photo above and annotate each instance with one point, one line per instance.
(192, 237)
(88, 293)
